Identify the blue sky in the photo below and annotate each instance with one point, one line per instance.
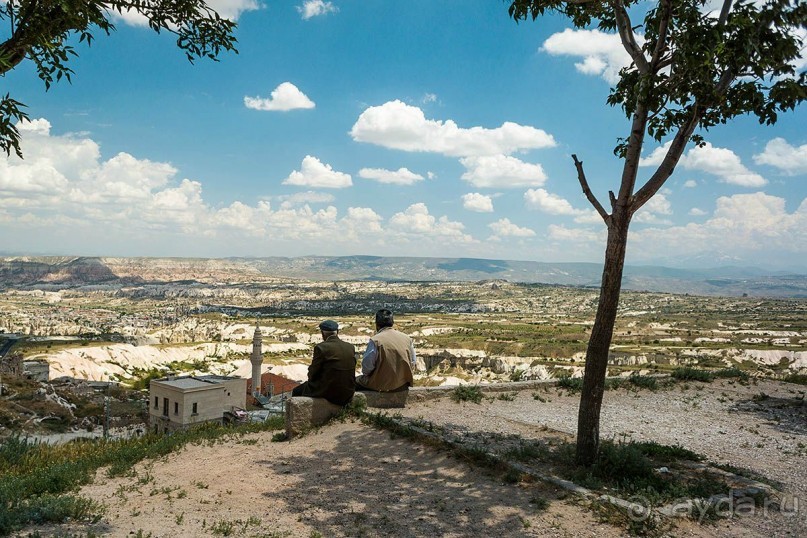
(414, 128)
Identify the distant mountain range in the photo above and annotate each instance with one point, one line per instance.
(50, 272)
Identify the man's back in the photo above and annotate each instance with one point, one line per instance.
(331, 374)
(393, 368)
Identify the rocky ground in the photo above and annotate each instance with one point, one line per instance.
(348, 479)
(759, 427)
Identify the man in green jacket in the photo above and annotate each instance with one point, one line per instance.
(332, 371)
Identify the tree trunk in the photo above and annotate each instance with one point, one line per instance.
(588, 419)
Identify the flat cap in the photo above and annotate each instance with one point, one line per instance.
(329, 325)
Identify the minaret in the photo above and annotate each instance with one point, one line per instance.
(257, 359)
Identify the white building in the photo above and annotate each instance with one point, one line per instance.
(179, 402)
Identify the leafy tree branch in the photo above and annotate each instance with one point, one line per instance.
(40, 30)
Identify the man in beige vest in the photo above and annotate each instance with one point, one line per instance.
(389, 360)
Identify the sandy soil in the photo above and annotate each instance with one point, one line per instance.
(345, 480)
(348, 479)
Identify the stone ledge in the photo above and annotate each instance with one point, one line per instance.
(304, 413)
(420, 394)
(385, 400)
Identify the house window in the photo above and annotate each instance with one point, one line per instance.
(156, 402)
(165, 407)
(195, 408)
(176, 408)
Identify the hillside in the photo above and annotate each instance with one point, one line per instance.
(348, 479)
(58, 272)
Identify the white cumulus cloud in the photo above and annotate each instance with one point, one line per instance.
(552, 204)
(474, 201)
(285, 97)
(564, 234)
(416, 220)
(308, 197)
(721, 162)
(314, 173)
(789, 159)
(655, 210)
(228, 9)
(401, 176)
(64, 195)
(397, 125)
(743, 226)
(315, 8)
(501, 171)
(232, 9)
(549, 203)
(603, 54)
(360, 222)
(505, 228)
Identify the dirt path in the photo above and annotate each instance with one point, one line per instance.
(345, 480)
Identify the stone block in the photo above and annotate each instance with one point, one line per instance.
(386, 400)
(303, 414)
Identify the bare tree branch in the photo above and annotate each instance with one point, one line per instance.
(581, 177)
(665, 169)
(625, 28)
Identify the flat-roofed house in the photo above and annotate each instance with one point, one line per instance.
(179, 402)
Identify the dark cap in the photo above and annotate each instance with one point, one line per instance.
(329, 325)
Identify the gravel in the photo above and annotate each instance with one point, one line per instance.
(758, 426)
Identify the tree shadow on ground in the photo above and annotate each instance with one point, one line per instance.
(371, 485)
(788, 415)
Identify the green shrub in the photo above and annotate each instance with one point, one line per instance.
(142, 378)
(629, 468)
(732, 373)
(800, 379)
(643, 382)
(528, 450)
(667, 452)
(614, 383)
(572, 384)
(467, 393)
(692, 374)
(622, 463)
